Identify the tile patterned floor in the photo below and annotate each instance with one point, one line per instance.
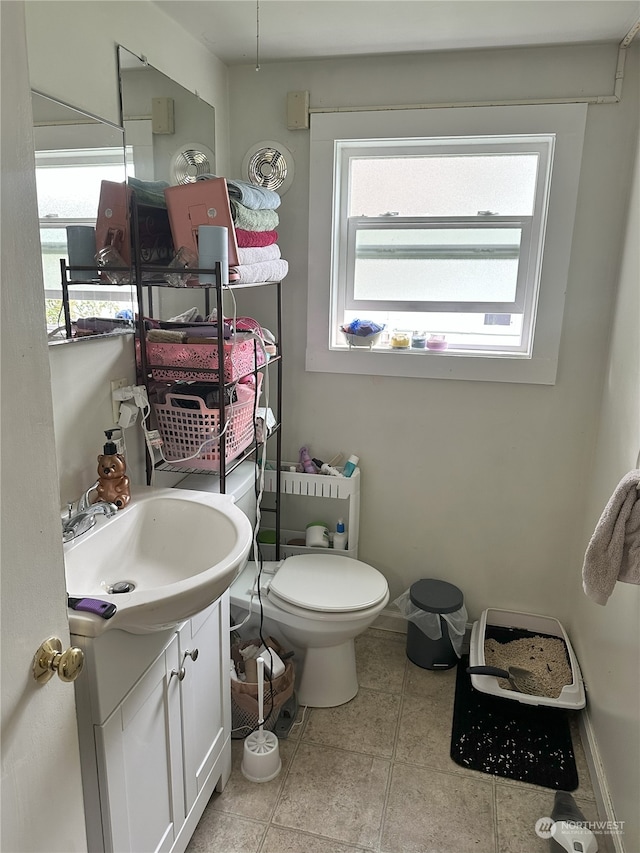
(375, 775)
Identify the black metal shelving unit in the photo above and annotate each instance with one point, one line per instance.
(145, 278)
(146, 284)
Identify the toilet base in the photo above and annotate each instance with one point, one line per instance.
(329, 676)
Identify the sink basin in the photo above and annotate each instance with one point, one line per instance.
(172, 552)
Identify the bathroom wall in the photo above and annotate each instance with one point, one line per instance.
(72, 51)
(479, 483)
(607, 639)
(488, 485)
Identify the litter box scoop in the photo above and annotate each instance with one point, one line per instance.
(522, 680)
(261, 758)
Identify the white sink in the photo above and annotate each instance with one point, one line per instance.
(178, 550)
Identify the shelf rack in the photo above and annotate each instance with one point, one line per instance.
(146, 277)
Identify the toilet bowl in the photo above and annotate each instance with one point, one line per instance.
(319, 604)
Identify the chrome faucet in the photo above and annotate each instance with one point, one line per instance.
(83, 501)
(84, 519)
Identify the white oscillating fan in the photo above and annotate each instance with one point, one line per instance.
(269, 165)
(189, 162)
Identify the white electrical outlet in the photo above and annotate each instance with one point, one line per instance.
(115, 404)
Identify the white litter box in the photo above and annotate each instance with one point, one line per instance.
(572, 696)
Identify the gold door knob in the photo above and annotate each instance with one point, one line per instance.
(50, 659)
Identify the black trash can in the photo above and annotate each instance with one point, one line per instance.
(433, 596)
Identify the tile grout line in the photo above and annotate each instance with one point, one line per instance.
(392, 762)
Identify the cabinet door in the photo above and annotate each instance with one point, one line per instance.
(205, 699)
(140, 763)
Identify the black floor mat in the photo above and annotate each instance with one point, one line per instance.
(503, 737)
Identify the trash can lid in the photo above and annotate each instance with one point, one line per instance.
(436, 596)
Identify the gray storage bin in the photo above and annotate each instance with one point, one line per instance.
(433, 596)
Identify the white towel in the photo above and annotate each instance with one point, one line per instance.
(257, 254)
(613, 553)
(266, 271)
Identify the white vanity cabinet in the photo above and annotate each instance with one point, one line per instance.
(154, 716)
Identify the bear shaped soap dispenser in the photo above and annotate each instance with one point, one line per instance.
(113, 483)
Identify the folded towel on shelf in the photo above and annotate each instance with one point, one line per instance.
(164, 336)
(274, 270)
(257, 198)
(149, 192)
(251, 239)
(613, 553)
(259, 254)
(253, 220)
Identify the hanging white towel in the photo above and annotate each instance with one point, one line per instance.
(613, 553)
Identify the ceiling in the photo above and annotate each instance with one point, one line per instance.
(315, 29)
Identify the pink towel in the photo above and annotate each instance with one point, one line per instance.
(250, 239)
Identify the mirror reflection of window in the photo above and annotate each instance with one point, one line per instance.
(74, 154)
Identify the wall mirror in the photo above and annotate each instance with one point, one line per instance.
(75, 153)
(169, 136)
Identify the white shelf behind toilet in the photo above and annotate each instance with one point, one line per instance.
(318, 486)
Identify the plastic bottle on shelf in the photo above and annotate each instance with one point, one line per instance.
(351, 465)
(340, 537)
(325, 468)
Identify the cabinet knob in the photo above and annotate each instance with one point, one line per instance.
(181, 673)
(190, 653)
(50, 659)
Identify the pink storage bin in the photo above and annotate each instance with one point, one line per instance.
(200, 361)
(184, 430)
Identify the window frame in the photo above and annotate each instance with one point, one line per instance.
(356, 224)
(566, 122)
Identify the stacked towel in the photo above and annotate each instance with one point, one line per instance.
(274, 270)
(258, 254)
(253, 239)
(256, 198)
(613, 553)
(149, 192)
(253, 220)
(253, 210)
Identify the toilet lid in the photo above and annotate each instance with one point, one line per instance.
(329, 583)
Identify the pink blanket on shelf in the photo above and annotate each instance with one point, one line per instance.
(251, 239)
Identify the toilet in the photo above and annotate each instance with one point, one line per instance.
(318, 603)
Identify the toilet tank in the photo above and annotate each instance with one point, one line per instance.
(240, 483)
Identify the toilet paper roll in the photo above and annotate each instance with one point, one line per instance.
(213, 247)
(81, 249)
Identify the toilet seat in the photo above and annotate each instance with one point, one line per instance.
(328, 584)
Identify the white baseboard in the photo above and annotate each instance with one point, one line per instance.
(611, 843)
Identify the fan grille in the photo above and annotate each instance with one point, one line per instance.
(189, 164)
(268, 168)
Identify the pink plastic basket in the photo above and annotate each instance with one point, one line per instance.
(200, 361)
(184, 430)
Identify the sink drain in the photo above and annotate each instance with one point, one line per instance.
(121, 586)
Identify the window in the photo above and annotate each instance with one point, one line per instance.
(463, 234)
